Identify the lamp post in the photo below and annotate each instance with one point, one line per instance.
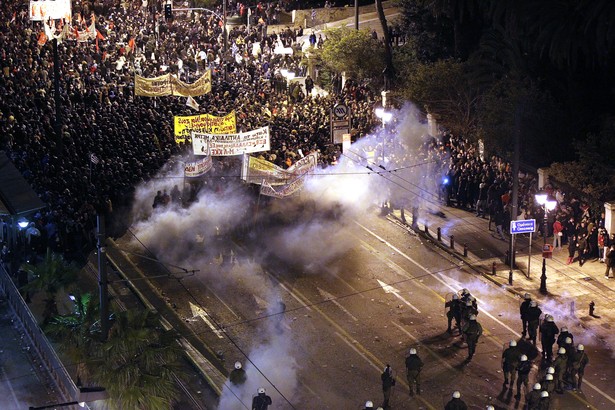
(385, 116)
(548, 205)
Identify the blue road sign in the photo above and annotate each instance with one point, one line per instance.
(523, 226)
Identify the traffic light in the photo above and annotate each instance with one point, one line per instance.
(168, 10)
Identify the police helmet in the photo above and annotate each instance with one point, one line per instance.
(544, 394)
(551, 370)
(465, 291)
(471, 298)
(523, 358)
(568, 340)
(564, 329)
(527, 296)
(562, 350)
(456, 395)
(237, 365)
(468, 303)
(490, 407)
(455, 296)
(512, 343)
(580, 348)
(537, 386)
(472, 317)
(369, 405)
(533, 303)
(261, 390)
(549, 318)
(549, 377)
(413, 351)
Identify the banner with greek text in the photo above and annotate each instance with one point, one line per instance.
(168, 84)
(198, 168)
(284, 190)
(256, 170)
(203, 123)
(222, 145)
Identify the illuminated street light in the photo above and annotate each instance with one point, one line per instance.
(548, 205)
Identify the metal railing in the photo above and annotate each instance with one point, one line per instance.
(53, 365)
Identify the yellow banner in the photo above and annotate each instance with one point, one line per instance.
(168, 84)
(203, 123)
(153, 87)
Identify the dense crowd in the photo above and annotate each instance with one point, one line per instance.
(110, 139)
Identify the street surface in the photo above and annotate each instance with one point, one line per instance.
(376, 291)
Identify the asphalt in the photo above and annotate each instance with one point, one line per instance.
(570, 287)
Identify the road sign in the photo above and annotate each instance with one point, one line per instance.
(522, 226)
(341, 111)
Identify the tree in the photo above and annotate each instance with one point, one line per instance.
(443, 89)
(78, 333)
(51, 275)
(138, 362)
(352, 51)
(389, 69)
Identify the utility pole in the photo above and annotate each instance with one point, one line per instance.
(102, 276)
(356, 14)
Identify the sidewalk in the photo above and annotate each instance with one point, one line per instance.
(571, 288)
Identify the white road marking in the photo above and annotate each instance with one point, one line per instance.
(331, 299)
(197, 311)
(394, 291)
(605, 395)
(358, 352)
(431, 352)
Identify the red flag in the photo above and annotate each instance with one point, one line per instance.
(42, 38)
(131, 44)
(76, 31)
(99, 36)
(14, 17)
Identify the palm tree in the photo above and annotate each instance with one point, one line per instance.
(138, 362)
(78, 333)
(51, 275)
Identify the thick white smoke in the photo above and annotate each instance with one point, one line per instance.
(306, 231)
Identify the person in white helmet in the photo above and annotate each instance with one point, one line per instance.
(455, 403)
(510, 361)
(547, 383)
(560, 364)
(523, 373)
(489, 407)
(414, 365)
(548, 331)
(545, 400)
(527, 299)
(472, 331)
(454, 312)
(387, 384)
(576, 367)
(369, 405)
(532, 400)
(238, 375)
(533, 319)
(563, 335)
(261, 401)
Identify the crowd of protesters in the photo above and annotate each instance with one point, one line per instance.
(111, 140)
(484, 186)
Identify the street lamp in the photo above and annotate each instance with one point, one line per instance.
(385, 116)
(548, 205)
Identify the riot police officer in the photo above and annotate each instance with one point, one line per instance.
(533, 319)
(527, 299)
(510, 361)
(472, 331)
(548, 331)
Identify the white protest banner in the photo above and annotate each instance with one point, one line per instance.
(285, 190)
(256, 170)
(222, 145)
(43, 10)
(198, 168)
